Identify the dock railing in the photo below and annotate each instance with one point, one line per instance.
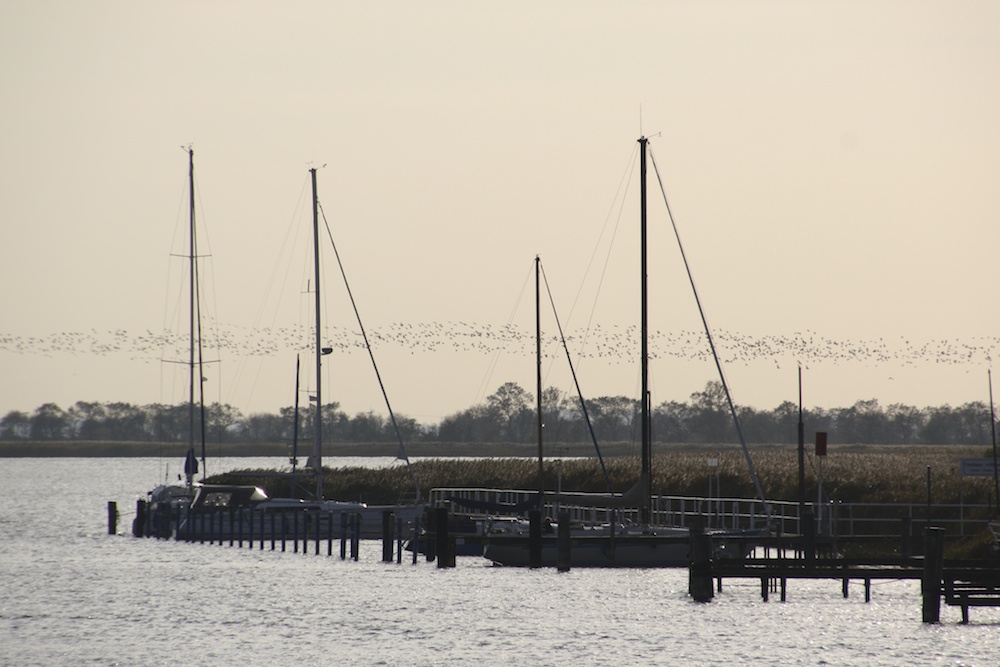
(833, 518)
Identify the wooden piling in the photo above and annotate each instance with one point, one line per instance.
(139, 523)
(343, 535)
(930, 584)
(112, 517)
(355, 535)
(430, 548)
(700, 563)
(535, 538)
(416, 540)
(387, 521)
(445, 546)
(399, 541)
(563, 543)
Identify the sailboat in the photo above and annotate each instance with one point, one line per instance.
(165, 500)
(612, 544)
(370, 516)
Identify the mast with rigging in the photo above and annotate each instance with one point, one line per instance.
(318, 446)
(646, 476)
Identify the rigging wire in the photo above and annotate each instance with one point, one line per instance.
(711, 343)
(291, 239)
(618, 201)
(402, 448)
(579, 392)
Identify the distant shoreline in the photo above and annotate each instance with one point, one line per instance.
(80, 449)
(86, 449)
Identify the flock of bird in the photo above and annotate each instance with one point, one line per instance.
(611, 344)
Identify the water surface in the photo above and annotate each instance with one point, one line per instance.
(70, 594)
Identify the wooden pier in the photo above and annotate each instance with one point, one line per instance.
(959, 582)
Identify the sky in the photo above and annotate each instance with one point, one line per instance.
(831, 168)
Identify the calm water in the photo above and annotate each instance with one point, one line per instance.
(70, 594)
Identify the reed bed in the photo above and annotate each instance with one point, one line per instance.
(868, 474)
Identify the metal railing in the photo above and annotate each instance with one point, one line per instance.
(831, 518)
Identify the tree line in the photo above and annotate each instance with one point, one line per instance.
(511, 415)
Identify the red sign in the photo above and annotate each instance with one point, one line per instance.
(820, 443)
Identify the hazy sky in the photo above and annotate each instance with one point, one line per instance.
(832, 168)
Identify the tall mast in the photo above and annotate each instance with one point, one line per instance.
(192, 279)
(538, 368)
(646, 476)
(993, 433)
(318, 447)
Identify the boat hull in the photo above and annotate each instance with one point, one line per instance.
(603, 551)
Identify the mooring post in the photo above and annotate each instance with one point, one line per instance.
(416, 540)
(139, 523)
(563, 545)
(445, 553)
(295, 532)
(318, 535)
(355, 534)
(430, 546)
(399, 541)
(112, 517)
(387, 519)
(273, 520)
(933, 572)
(343, 535)
(535, 538)
(284, 529)
(700, 562)
(329, 533)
